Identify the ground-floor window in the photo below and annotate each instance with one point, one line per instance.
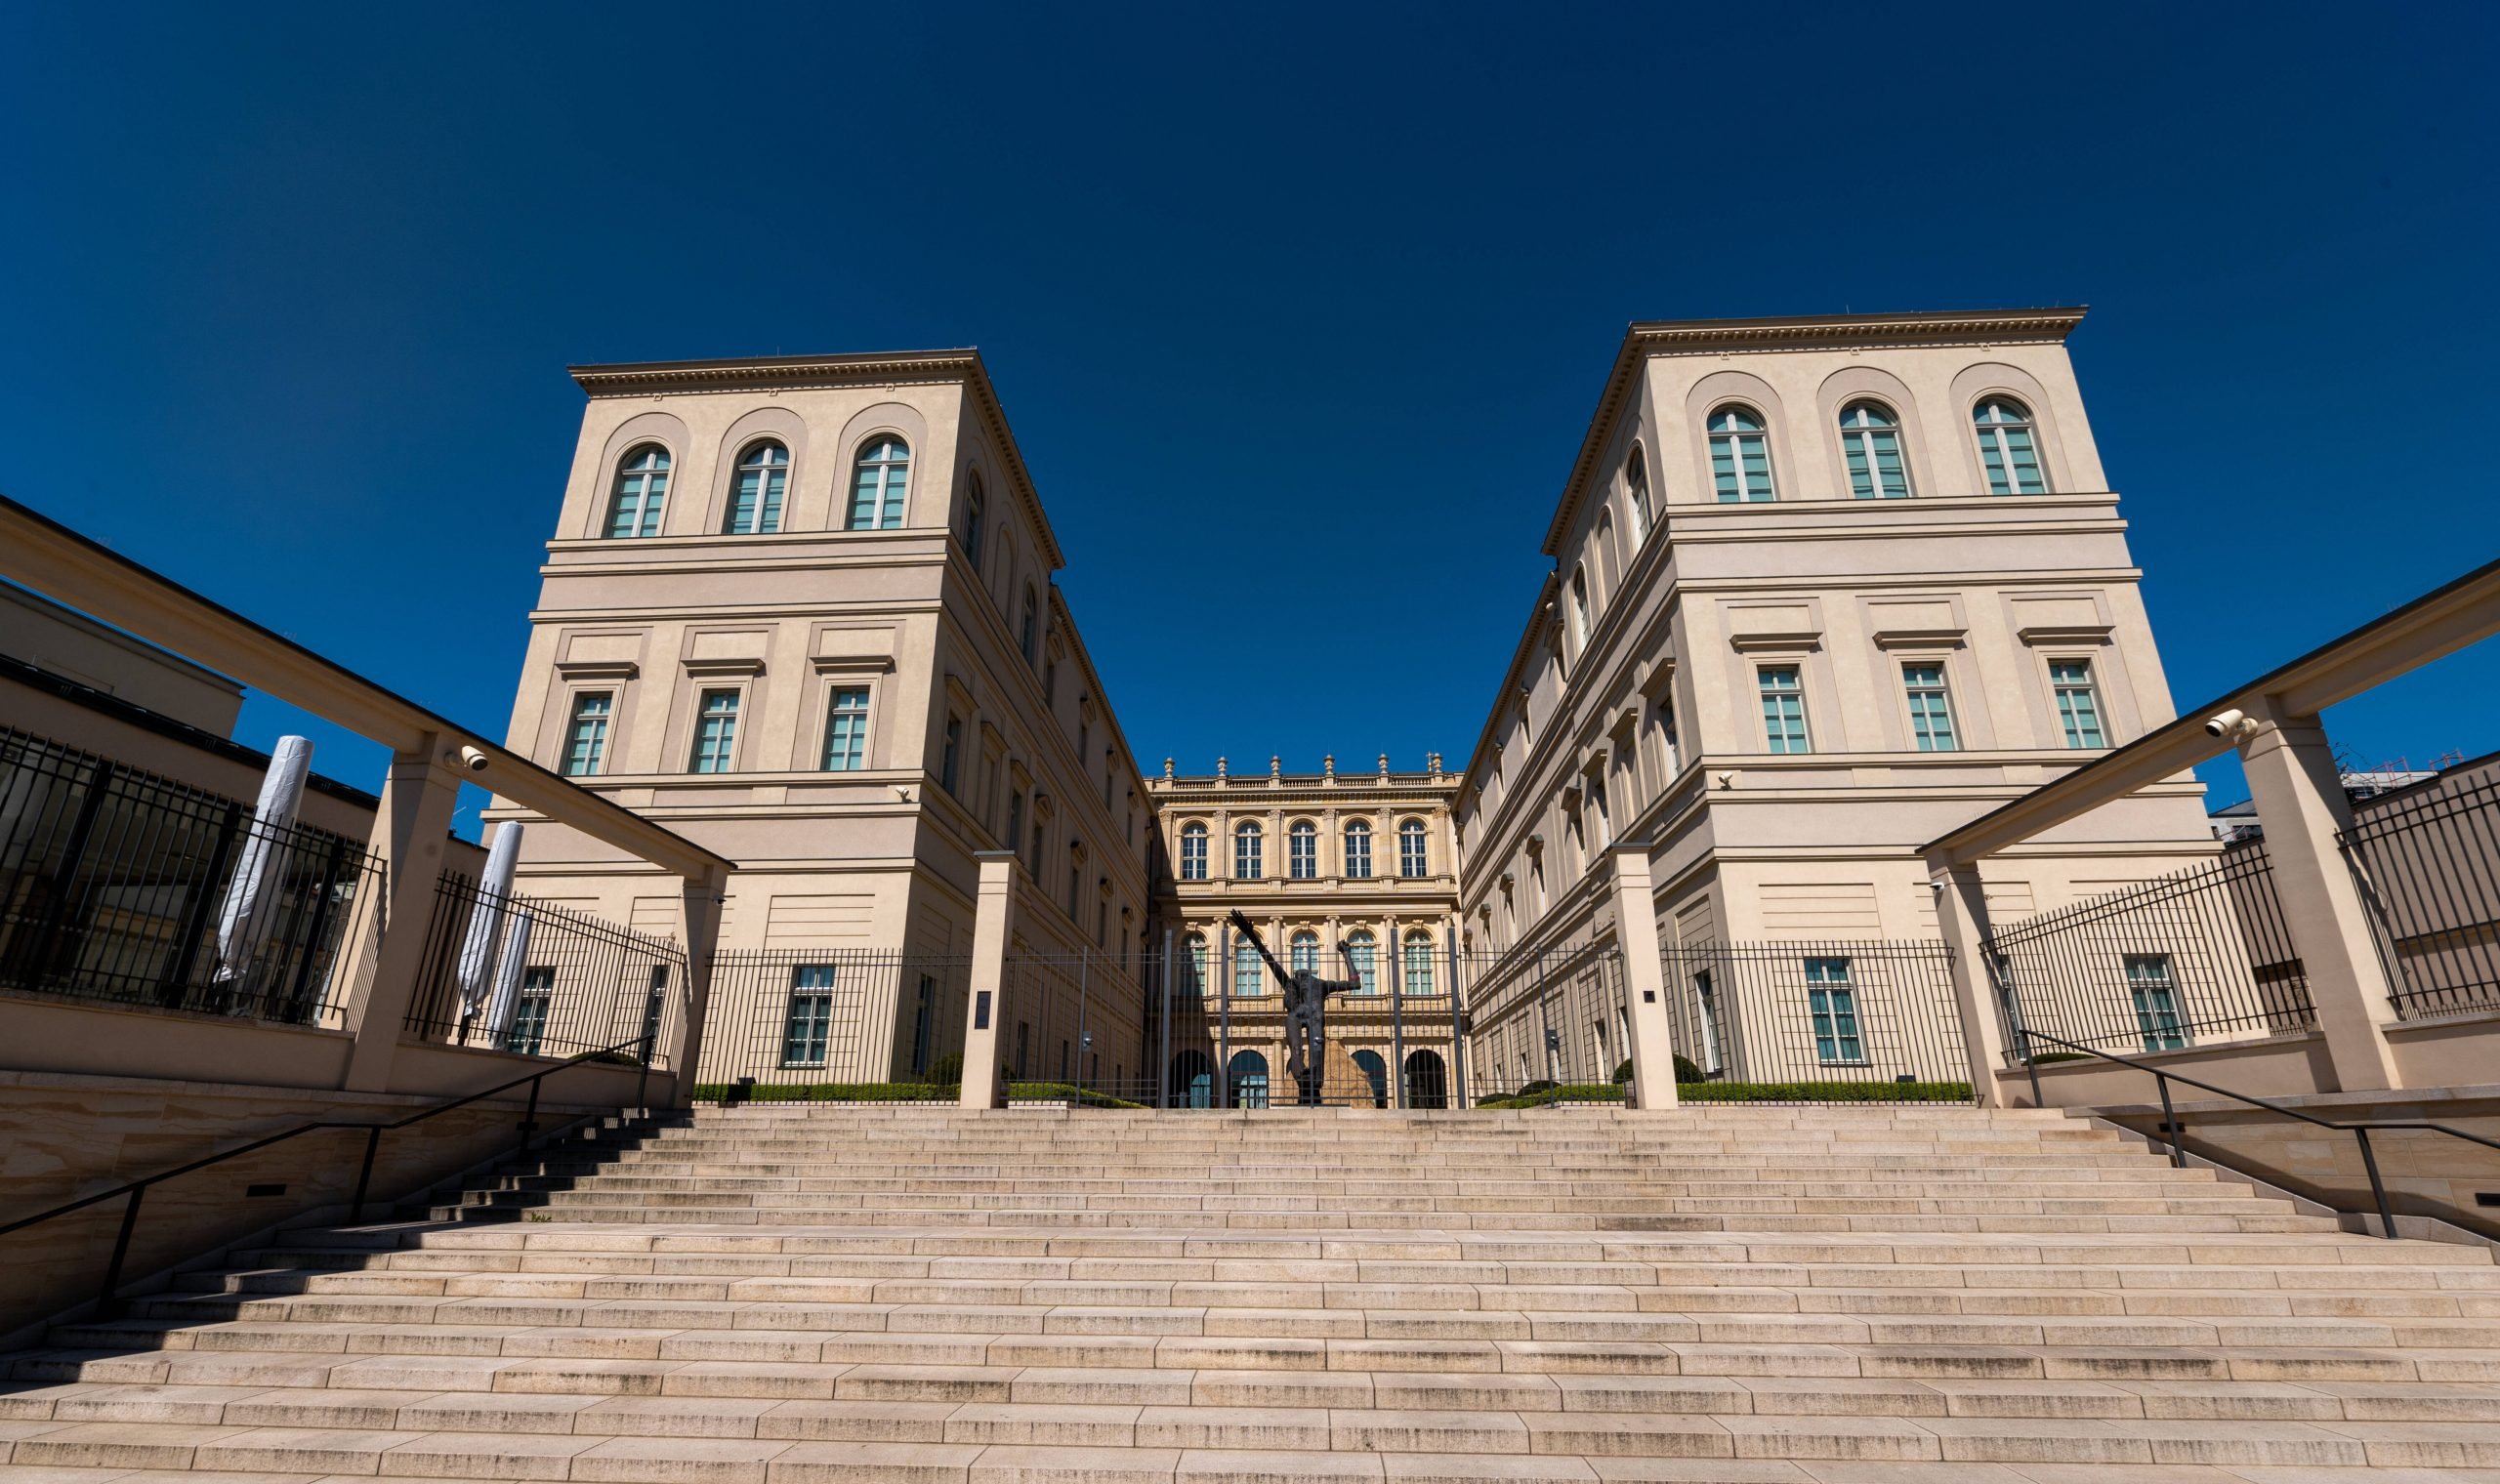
(1833, 1000)
(2156, 999)
(529, 1012)
(806, 1031)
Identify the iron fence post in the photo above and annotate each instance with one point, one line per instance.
(107, 1305)
(364, 1176)
(2170, 1124)
(642, 1078)
(65, 878)
(1163, 1054)
(175, 987)
(1224, 1008)
(1084, 971)
(2378, 1186)
(530, 1115)
(1455, 1094)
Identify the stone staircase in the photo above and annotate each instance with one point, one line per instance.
(795, 1294)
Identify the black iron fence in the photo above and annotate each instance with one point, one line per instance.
(2428, 862)
(118, 884)
(1545, 1019)
(1394, 1042)
(514, 973)
(1803, 1020)
(858, 1023)
(2194, 958)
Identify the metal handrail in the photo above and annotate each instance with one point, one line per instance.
(2163, 1078)
(137, 1189)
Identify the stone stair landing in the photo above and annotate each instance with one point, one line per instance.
(792, 1293)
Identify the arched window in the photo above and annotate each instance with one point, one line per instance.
(1028, 628)
(1194, 853)
(1249, 976)
(1411, 858)
(1366, 951)
(641, 489)
(1248, 1076)
(1302, 850)
(1358, 849)
(973, 504)
(1376, 1072)
(1635, 480)
(1245, 852)
(1193, 967)
(1580, 609)
(1302, 952)
(755, 499)
(1739, 456)
(1415, 966)
(2007, 449)
(1870, 443)
(878, 484)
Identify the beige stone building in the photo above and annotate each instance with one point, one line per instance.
(1343, 864)
(801, 610)
(1825, 589)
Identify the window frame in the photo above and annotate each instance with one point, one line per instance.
(1860, 441)
(1781, 744)
(698, 743)
(1356, 845)
(2160, 1020)
(574, 721)
(1735, 437)
(817, 994)
(650, 504)
(1636, 488)
(1363, 946)
(772, 495)
(893, 490)
(975, 503)
(1302, 850)
(2089, 686)
(1415, 863)
(533, 1004)
(1995, 437)
(1249, 847)
(1193, 864)
(1940, 692)
(836, 687)
(1831, 1001)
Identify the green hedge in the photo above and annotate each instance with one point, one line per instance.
(1579, 1092)
(1824, 1091)
(828, 1092)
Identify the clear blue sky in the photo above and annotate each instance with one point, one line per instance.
(1299, 313)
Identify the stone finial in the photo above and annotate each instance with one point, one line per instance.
(1167, 769)
(1275, 768)
(1218, 769)
(1434, 760)
(1328, 767)
(1384, 764)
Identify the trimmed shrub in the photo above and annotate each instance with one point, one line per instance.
(1576, 1092)
(1685, 1071)
(1825, 1091)
(945, 1071)
(1623, 1073)
(1532, 1088)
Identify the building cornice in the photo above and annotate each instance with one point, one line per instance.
(1643, 339)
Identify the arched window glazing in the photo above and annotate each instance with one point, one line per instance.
(1366, 951)
(1358, 849)
(1194, 853)
(1580, 608)
(972, 528)
(2008, 451)
(1302, 952)
(1870, 444)
(1411, 856)
(755, 499)
(1739, 456)
(1301, 857)
(1246, 843)
(641, 490)
(878, 484)
(1415, 967)
(1635, 480)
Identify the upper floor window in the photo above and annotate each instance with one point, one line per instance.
(1636, 482)
(1739, 456)
(1358, 849)
(1075, 875)
(1931, 708)
(1580, 608)
(1194, 853)
(586, 734)
(1302, 850)
(878, 484)
(715, 732)
(1015, 819)
(2008, 450)
(1249, 976)
(1028, 626)
(950, 760)
(755, 499)
(641, 489)
(1411, 858)
(846, 730)
(1870, 443)
(1415, 966)
(1302, 952)
(1193, 963)
(1245, 852)
(2079, 702)
(970, 535)
(1602, 818)
(1364, 950)
(1783, 709)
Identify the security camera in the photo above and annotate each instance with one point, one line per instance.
(2223, 723)
(472, 760)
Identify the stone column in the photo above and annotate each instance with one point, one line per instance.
(1962, 916)
(409, 833)
(1636, 934)
(2299, 794)
(703, 897)
(986, 1013)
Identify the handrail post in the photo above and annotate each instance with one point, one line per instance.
(642, 1078)
(2170, 1123)
(2377, 1187)
(530, 1115)
(364, 1176)
(107, 1305)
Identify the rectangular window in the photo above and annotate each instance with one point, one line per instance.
(1015, 818)
(1667, 737)
(1075, 876)
(715, 731)
(2078, 706)
(1783, 709)
(808, 1030)
(1035, 863)
(1931, 708)
(952, 757)
(586, 739)
(845, 732)
(2156, 1000)
(1102, 920)
(529, 1012)
(1834, 1003)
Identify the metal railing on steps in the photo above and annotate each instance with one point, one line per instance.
(107, 1304)
(2172, 1132)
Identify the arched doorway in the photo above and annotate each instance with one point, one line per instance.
(1427, 1080)
(1377, 1071)
(1192, 1081)
(1249, 1080)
